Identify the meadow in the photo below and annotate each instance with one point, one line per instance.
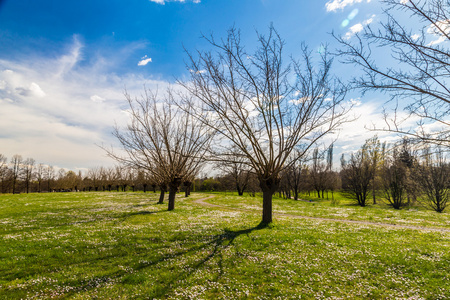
(125, 246)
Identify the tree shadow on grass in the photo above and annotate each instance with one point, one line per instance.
(214, 247)
(219, 242)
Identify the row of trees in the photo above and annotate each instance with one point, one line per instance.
(21, 175)
(24, 175)
(400, 175)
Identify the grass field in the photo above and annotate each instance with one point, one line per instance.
(125, 246)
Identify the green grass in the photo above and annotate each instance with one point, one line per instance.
(125, 246)
(346, 210)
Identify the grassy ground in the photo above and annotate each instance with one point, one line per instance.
(125, 246)
(345, 210)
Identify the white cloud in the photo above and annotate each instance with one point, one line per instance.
(415, 36)
(144, 61)
(70, 117)
(97, 98)
(358, 28)
(36, 90)
(68, 61)
(437, 29)
(335, 5)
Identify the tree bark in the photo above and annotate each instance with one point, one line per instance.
(268, 186)
(173, 188)
(267, 207)
(161, 197)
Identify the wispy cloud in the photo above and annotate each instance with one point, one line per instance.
(164, 1)
(335, 5)
(57, 109)
(358, 28)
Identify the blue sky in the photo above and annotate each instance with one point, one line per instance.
(64, 64)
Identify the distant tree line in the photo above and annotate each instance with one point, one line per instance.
(400, 175)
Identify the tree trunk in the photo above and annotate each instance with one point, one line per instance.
(163, 188)
(172, 194)
(173, 189)
(267, 207)
(161, 197)
(269, 187)
(187, 188)
(373, 192)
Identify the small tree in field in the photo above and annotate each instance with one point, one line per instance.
(261, 105)
(394, 174)
(237, 168)
(433, 179)
(3, 172)
(357, 175)
(162, 140)
(16, 165)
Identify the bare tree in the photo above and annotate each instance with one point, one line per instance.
(357, 174)
(3, 171)
(237, 167)
(394, 178)
(262, 106)
(421, 70)
(40, 176)
(295, 173)
(28, 168)
(16, 165)
(162, 140)
(319, 173)
(95, 176)
(432, 177)
(50, 175)
(376, 150)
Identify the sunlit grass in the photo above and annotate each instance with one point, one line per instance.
(125, 246)
(345, 210)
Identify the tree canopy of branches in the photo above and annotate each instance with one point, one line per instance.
(261, 105)
(162, 140)
(421, 72)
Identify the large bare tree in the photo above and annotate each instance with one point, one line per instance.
(163, 140)
(263, 103)
(413, 66)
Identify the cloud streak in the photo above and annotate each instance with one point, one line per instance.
(335, 5)
(162, 2)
